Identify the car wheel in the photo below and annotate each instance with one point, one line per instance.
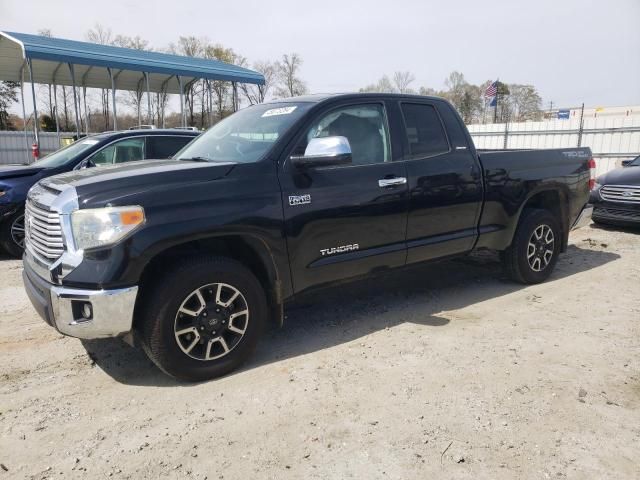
(534, 251)
(203, 318)
(12, 234)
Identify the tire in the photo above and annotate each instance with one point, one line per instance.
(12, 234)
(520, 264)
(181, 341)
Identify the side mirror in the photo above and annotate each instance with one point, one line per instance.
(86, 163)
(324, 152)
(625, 163)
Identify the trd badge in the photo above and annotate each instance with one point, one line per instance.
(299, 199)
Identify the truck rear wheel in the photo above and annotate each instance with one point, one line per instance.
(536, 245)
(203, 318)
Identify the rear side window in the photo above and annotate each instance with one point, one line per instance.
(425, 134)
(165, 147)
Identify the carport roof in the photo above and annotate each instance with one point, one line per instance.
(49, 57)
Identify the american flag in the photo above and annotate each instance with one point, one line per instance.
(491, 90)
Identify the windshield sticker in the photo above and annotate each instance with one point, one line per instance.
(279, 111)
(90, 142)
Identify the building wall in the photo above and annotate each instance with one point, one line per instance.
(15, 147)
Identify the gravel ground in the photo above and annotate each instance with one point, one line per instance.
(445, 371)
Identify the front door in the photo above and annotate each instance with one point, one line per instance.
(348, 220)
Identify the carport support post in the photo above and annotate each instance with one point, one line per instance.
(146, 78)
(113, 98)
(183, 122)
(35, 108)
(210, 103)
(75, 98)
(86, 112)
(235, 96)
(24, 113)
(55, 110)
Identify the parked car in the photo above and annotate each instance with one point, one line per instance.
(194, 256)
(616, 198)
(95, 150)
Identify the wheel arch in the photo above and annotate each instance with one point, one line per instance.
(250, 250)
(554, 200)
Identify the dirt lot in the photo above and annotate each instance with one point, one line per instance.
(446, 371)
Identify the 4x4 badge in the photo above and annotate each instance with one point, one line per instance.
(299, 199)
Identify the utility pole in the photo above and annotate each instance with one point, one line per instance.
(581, 125)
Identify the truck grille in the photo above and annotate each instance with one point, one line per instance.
(43, 232)
(616, 213)
(621, 193)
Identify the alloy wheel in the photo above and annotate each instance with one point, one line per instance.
(17, 231)
(211, 321)
(540, 248)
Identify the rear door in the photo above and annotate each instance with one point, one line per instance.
(345, 221)
(445, 182)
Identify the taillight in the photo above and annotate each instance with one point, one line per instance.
(592, 173)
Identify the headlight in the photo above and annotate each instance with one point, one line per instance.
(99, 227)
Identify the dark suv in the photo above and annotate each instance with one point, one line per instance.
(92, 151)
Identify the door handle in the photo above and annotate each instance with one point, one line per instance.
(391, 182)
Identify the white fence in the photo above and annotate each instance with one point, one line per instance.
(611, 139)
(16, 148)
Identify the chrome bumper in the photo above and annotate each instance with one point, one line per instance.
(584, 218)
(111, 311)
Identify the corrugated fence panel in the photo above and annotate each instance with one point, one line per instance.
(611, 139)
(15, 147)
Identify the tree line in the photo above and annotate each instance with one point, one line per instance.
(208, 101)
(516, 102)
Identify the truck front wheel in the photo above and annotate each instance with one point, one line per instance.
(203, 318)
(536, 244)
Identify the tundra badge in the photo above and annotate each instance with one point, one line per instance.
(340, 249)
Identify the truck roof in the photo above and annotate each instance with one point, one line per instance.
(321, 97)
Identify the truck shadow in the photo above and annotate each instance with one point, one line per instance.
(340, 314)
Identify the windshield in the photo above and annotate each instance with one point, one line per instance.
(635, 162)
(66, 154)
(246, 136)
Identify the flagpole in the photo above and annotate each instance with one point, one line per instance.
(495, 113)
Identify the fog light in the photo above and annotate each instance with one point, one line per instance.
(82, 310)
(87, 311)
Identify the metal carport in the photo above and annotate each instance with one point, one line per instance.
(58, 61)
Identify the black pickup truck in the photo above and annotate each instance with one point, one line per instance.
(193, 257)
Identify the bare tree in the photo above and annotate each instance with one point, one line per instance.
(525, 102)
(289, 82)
(257, 94)
(136, 43)
(102, 35)
(383, 85)
(402, 80)
(191, 47)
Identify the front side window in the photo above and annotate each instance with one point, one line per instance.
(365, 127)
(425, 135)
(126, 150)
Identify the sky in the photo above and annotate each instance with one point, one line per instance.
(573, 51)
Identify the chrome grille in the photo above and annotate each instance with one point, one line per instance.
(43, 233)
(621, 193)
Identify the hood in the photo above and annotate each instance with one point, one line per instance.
(14, 171)
(98, 185)
(621, 176)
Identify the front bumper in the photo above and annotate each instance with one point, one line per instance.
(64, 308)
(584, 218)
